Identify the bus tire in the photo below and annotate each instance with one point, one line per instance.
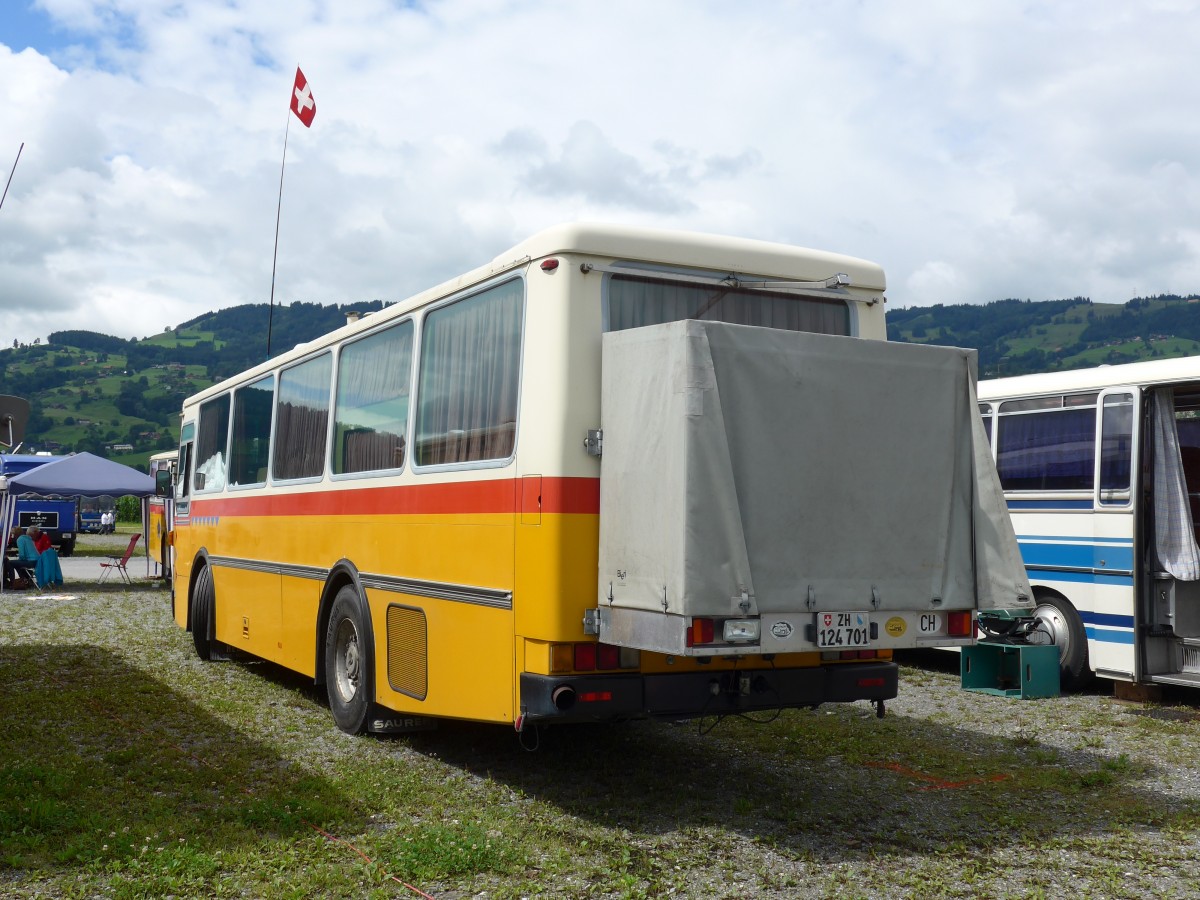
(348, 663)
(203, 603)
(1061, 621)
(67, 548)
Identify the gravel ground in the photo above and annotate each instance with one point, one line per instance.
(1094, 797)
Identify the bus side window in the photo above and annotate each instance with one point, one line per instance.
(371, 412)
(251, 432)
(302, 419)
(1046, 449)
(469, 373)
(212, 444)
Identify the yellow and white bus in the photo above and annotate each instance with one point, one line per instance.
(413, 510)
(160, 509)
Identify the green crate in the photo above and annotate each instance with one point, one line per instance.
(1011, 670)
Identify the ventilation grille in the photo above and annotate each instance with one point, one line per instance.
(1191, 659)
(407, 651)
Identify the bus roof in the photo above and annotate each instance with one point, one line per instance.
(1154, 371)
(690, 248)
(685, 249)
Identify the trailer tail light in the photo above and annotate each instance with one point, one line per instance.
(958, 624)
(701, 632)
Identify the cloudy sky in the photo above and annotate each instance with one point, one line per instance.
(977, 150)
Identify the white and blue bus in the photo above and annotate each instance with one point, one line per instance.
(1101, 473)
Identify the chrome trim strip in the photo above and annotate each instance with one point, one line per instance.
(1084, 569)
(437, 590)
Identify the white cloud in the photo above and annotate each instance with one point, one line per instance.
(978, 151)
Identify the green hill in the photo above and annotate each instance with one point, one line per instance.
(121, 398)
(1016, 337)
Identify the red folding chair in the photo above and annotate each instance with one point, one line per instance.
(106, 568)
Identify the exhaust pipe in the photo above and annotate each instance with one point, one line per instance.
(563, 697)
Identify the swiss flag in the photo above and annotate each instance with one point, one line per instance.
(303, 104)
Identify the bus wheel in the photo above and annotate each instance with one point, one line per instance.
(1059, 619)
(348, 663)
(203, 600)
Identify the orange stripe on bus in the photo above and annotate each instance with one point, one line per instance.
(559, 495)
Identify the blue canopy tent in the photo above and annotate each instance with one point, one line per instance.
(80, 475)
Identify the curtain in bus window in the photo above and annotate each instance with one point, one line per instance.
(1174, 539)
(470, 366)
(251, 432)
(1047, 451)
(635, 301)
(211, 443)
(371, 412)
(302, 420)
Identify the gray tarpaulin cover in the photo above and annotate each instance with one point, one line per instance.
(763, 467)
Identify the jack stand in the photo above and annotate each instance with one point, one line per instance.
(879, 708)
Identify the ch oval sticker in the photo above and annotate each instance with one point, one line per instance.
(782, 629)
(895, 626)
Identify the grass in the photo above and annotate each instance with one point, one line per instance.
(128, 768)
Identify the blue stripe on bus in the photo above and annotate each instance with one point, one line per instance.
(1112, 620)
(1106, 636)
(1049, 504)
(1078, 556)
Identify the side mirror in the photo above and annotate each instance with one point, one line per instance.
(162, 483)
(14, 413)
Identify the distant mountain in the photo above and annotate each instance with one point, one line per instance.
(1016, 337)
(104, 394)
(121, 398)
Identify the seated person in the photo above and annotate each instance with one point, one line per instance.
(27, 550)
(41, 540)
(18, 571)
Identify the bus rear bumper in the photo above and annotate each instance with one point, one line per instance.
(592, 698)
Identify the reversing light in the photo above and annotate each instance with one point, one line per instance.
(701, 632)
(631, 658)
(958, 624)
(740, 630)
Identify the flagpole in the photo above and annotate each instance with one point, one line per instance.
(275, 252)
(10, 174)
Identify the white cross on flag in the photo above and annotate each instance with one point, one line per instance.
(303, 104)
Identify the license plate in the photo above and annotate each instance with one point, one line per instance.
(836, 630)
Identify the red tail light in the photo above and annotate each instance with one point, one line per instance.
(959, 624)
(870, 682)
(701, 632)
(585, 657)
(608, 656)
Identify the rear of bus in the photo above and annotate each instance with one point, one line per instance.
(773, 505)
